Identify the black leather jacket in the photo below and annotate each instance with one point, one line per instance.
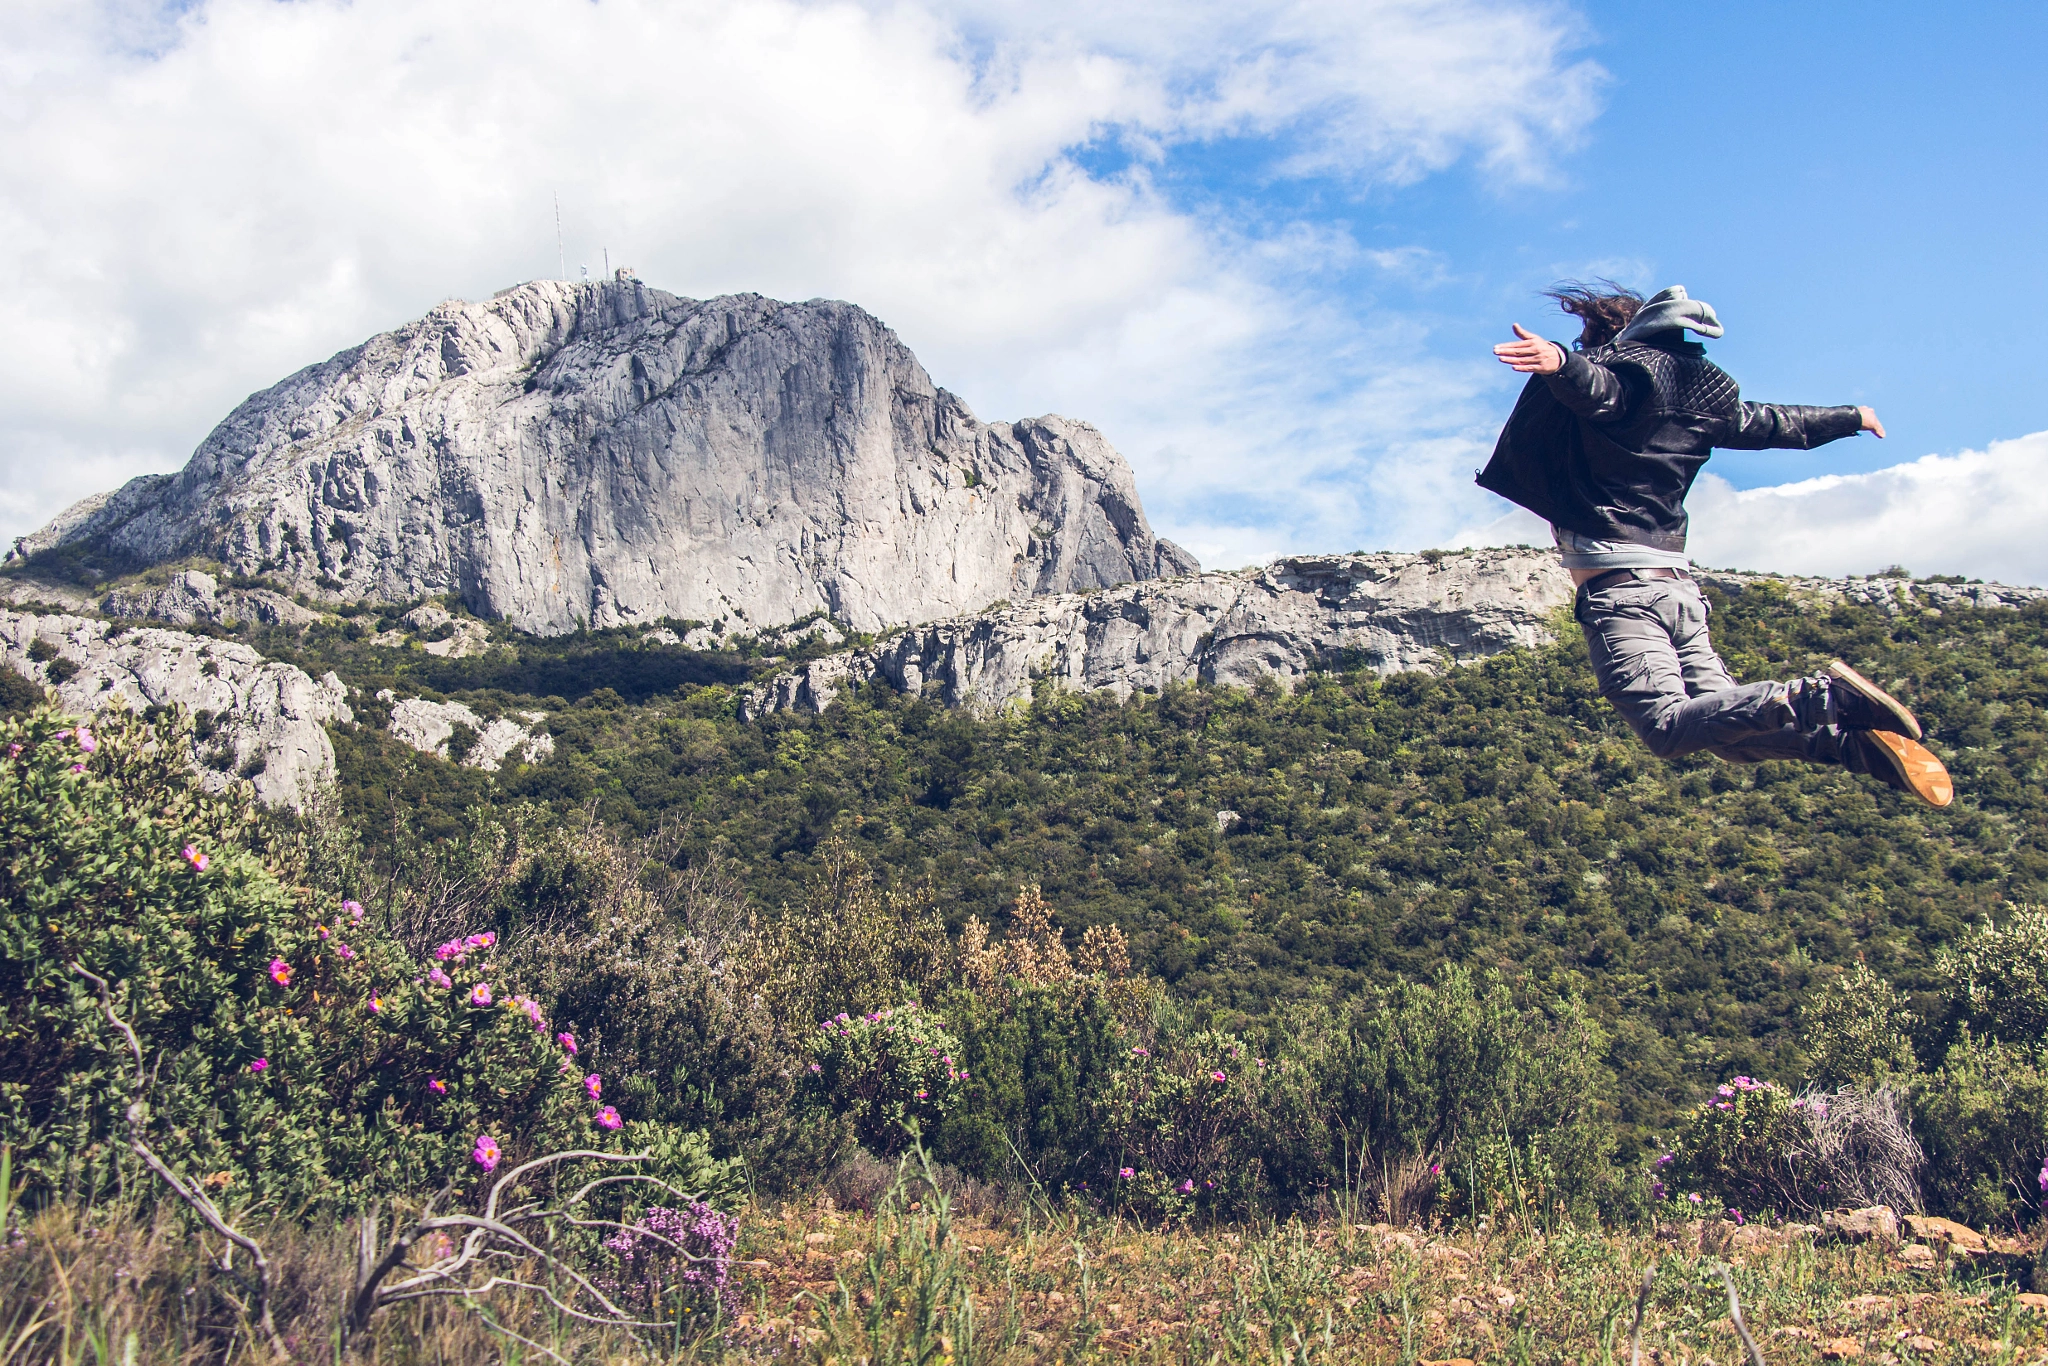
(1609, 445)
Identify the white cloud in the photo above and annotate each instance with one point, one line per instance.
(1979, 513)
(199, 199)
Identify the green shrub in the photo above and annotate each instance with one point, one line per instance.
(1984, 1118)
(298, 1056)
(1996, 977)
(1857, 1031)
(885, 1069)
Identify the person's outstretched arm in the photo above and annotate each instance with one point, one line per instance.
(1589, 389)
(1788, 426)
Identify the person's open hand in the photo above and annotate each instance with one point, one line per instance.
(1531, 355)
(1870, 422)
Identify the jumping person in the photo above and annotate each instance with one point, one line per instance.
(1604, 444)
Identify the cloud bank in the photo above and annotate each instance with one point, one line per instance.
(201, 198)
(1979, 514)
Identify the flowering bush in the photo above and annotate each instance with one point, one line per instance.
(882, 1068)
(676, 1262)
(1735, 1146)
(293, 1069)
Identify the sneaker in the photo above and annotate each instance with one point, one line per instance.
(1901, 763)
(1859, 704)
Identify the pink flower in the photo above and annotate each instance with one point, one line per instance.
(1141, 1052)
(608, 1118)
(376, 1004)
(85, 740)
(1694, 1197)
(1217, 1075)
(921, 1094)
(593, 1086)
(1125, 1173)
(437, 1086)
(1724, 1090)
(343, 951)
(14, 750)
(567, 1041)
(259, 1066)
(320, 930)
(440, 978)
(354, 909)
(195, 858)
(451, 949)
(963, 1074)
(78, 768)
(280, 972)
(815, 1069)
(480, 994)
(487, 1152)
(2044, 1178)
(1187, 1187)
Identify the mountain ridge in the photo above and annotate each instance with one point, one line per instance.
(563, 456)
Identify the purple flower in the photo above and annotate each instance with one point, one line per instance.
(437, 1086)
(354, 909)
(376, 1004)
(1736, 1215)
(260, 1066)
(1657, 1190)
(1141, 1052)
(14, 750)
(343, 951)
(1125, 1173)
(85, 740)
(1667, 1159)
(1217, 1075)
(280, 972)
(1724, 1090)
(451, 949)
(921, 1093)
(593, 1086)
(487, 1152)
(608, 1118)
(195, 858)
(480, 994)
(567, 1041)
(1187, 1187)
(440, 978)
(815, 1068)
(1694, 1197)
(2044, 1178)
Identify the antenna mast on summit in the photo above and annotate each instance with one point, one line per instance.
(561, 257)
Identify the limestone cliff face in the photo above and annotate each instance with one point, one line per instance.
(1390, 612)
(608, 454)
(266, 721)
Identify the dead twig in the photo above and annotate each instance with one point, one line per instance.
(1635, 1332)
(1735, 1312)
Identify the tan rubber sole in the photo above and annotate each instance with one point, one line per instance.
(1879, 697)
(1918, 766)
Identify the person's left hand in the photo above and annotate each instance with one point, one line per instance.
(1869, 415)
(1531, 355)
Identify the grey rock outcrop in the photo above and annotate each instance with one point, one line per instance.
(194, 596)
(429, 726)
(1388, 612)
(263, 720)
(608, 454)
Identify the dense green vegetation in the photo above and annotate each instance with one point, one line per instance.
(1497, 816)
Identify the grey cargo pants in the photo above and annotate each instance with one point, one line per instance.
(1656, 664)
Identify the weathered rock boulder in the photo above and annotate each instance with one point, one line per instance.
(194, 596)
(260, 720)
(607, 454)
(429, 727)
(1388, 612)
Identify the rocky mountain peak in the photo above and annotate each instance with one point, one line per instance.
(603, 454)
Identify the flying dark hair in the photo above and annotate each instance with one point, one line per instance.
(1602, 307)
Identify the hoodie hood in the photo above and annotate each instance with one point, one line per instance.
(1668, 309)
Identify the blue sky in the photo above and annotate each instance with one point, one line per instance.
(1263, 246)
